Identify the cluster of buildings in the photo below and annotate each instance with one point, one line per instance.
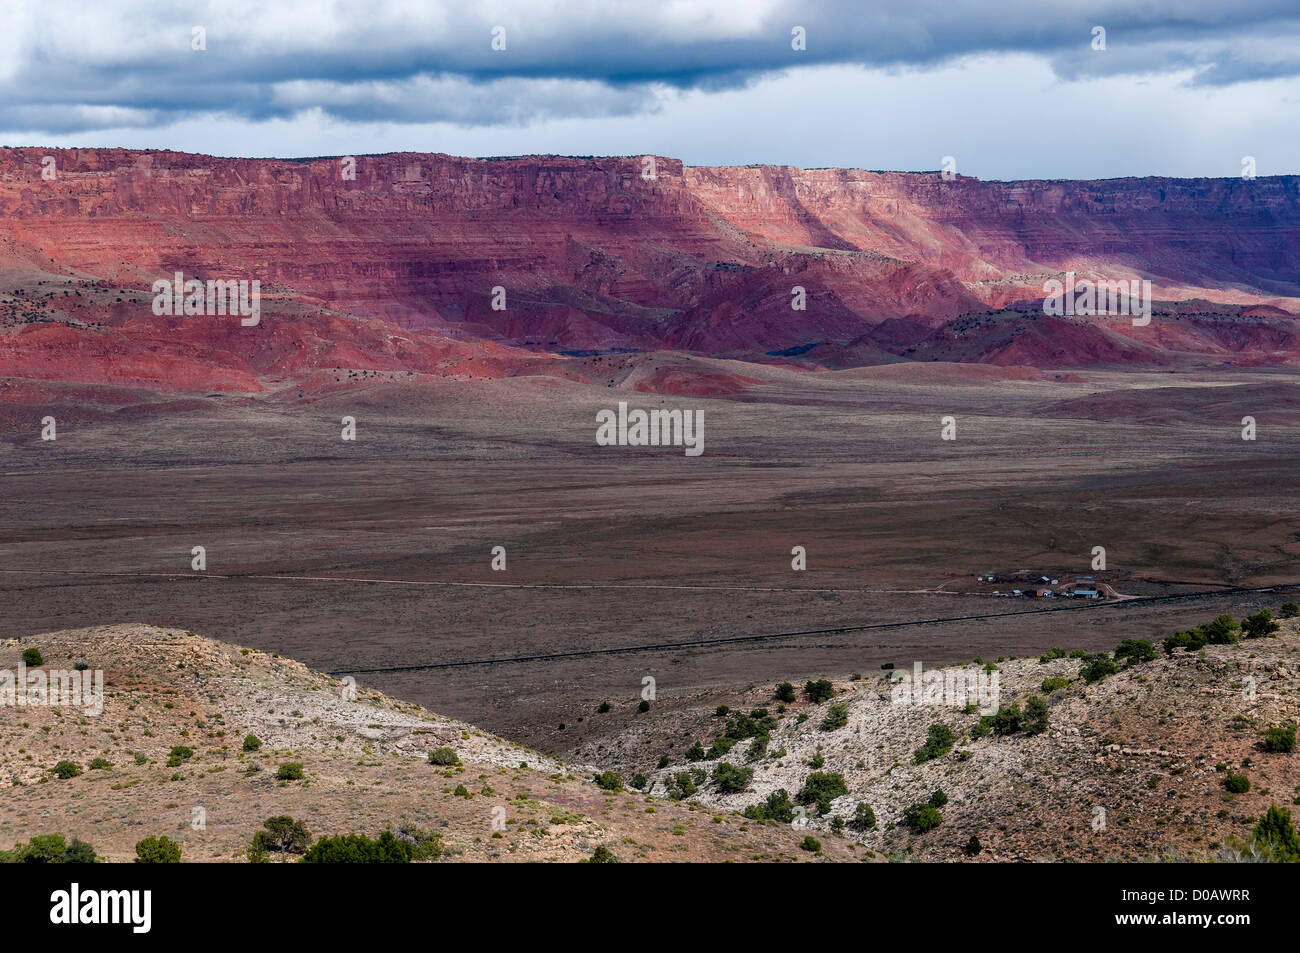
(1043, 587)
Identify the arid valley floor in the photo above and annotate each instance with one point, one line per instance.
(373, 557)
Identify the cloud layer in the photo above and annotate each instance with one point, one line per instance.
(74, 66)
(80, 72)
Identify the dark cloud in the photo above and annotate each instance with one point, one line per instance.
(64, 67)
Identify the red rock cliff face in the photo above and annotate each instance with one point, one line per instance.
(593, 254)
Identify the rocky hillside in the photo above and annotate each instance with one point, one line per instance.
(169, 749)
(1132, 766)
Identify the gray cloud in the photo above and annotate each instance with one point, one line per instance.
(124, 64)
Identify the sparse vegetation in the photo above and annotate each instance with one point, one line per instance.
(837, 716)
(157, 850)
(731, 779)
(49, 849)
(1280, 738)
(444, 757)
(1222, 631)
(864, 818)
(1134, 652)
(821, 788)
(939, 740)
(819, 691)
(922, 818)
(1096, 667)
(1277, 835)
(1236, 783)
(777, 807)
(64, 770)
(359, 849)
(1261, 625)
(280, 835)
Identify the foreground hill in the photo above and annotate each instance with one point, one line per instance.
(1148, 761)
(364, 757)
(1133, 766)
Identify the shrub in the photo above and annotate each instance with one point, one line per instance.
(359, 849)
(785, 692)
(157, 850)
(681, 786)
(1051, 654)
(837, 716)
(66, 769)
(1280, 738)
(721, 745)
(601, 855)
(643, 707)
(79, 852)
(757, 724)
(864, 818)
(1097, 667)
(49, 849)
(777, 807)
(609, 781)
(1236, 783)
(1135, 651)
(938, 799)
(1276, 831)
(938, 742)
(1290, 610)
(1222, 631)
(731, 779)
(973, 846)
(1190, 639)
(811, 844)
(821, 788)
(252, 742)
(32, 657)
(603, 708)
(100, 764)
(281, 835)
(425, 845)
(922, 818)
(819, 691)
(695, 752)
(1261, 625)
(444, 757)
(1037, 715)
(289, 771)
(1007, 721)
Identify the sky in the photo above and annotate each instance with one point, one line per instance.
(1011, 89)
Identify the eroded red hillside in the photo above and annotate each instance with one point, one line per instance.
(396, 270)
